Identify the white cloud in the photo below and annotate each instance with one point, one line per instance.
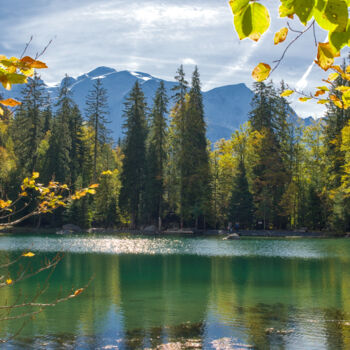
(152, 36)
(189, 61)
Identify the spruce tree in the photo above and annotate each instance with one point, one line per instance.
(195, 157)
(77, 147)
(28, 127)
(61, 140)
(269, 172)
(96, 113)
(241, 207)
(134, 147)
(176, 144)
(156, 156)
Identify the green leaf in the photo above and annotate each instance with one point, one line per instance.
(340, 39)
(302, 8)
(332, 15)
(261, 72)
(238, 5)
(252, 22)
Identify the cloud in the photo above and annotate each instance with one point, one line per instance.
(189, 61)
(153, 36)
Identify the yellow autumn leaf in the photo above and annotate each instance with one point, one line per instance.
(5, 204)
(261, 72)
(325, 55)
(336, 101)
(107, 172)
(343, 88)
(93, 186)
(280, 36)
(323, 101)
(9, 281)
(28, 255)
(319, 92)
(323, 88)
(10, 102)
(304, 99)
(286, 93)
(78, 291)
(35, 175)
(33, 63)
(346, 98)
(333, 76)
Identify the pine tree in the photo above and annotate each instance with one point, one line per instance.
(77, 147)
(28, 129)
(96, 113)
(241, 207)
(176, 145)
(134, 164)
(269, 172)
(61, 140)
(195, 157)
(156, 155)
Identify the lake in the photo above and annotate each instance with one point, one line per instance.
(183, 293)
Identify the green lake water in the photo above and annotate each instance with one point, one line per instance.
(184, 293)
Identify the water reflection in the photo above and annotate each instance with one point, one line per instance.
(192, 301)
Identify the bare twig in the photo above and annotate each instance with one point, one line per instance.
(44, 50)
(292, 29)
(27, 45)
(289, 45)
(24, 275)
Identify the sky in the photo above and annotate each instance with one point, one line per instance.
(155, 37)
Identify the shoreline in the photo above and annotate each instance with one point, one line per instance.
(186, 232)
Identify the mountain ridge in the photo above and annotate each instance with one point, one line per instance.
(225, 107)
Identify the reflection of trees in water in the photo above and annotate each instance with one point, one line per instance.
(274, 300)
(146, 301)
(165, 295)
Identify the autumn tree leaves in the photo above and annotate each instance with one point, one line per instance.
(252, 20)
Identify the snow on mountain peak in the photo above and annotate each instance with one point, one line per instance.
(142, 76)
(100, 72)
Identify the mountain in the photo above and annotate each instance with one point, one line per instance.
(226, 107)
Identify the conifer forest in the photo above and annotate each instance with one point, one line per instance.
(275, 172)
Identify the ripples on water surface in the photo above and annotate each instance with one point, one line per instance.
(189, 293)
(283, 248)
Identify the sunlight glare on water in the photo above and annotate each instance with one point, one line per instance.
(203, 246)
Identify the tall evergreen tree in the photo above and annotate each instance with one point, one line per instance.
(269, 173)
(134, 164)
(61, 140)
(241, 203)
(195, 157)
(29, 123)
(156, 155)
(96, 112)
(77, 146)
(176, 144)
